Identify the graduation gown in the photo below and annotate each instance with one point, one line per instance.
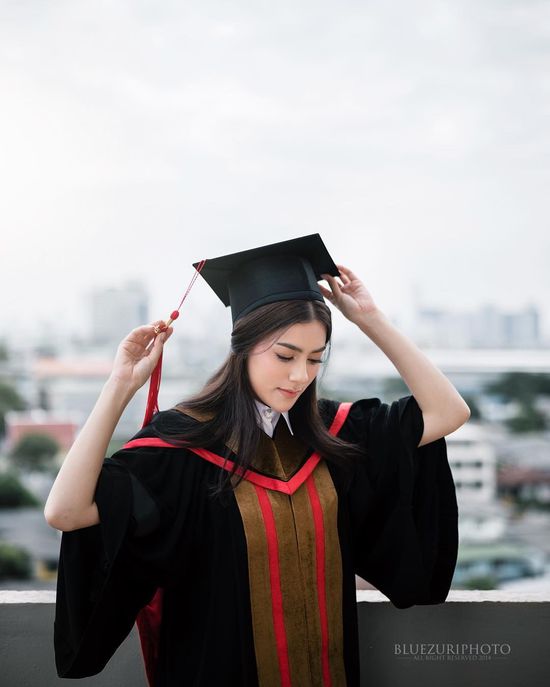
(259, 589)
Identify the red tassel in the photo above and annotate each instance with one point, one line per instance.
(152, 398)
(154, 385)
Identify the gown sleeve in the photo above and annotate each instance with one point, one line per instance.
(109, 571)
(403, 504)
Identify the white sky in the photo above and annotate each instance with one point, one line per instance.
(138, 137)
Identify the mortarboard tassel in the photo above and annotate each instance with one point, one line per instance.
(154, 384)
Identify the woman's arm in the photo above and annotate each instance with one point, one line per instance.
(443, 408)
(70, 504)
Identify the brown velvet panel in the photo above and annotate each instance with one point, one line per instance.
(301, 639)
(328, 498)
(260, 586)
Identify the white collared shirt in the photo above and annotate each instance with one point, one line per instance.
(269, 418)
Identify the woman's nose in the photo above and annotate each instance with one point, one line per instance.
(298, 373)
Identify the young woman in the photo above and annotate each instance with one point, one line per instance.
(231, 527)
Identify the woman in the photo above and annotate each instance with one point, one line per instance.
(231, 527)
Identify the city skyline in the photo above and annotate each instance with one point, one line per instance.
(109, 312)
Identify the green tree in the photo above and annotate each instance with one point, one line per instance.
(9, 400)
(520, 386)
(529, 419)
(15, 562)
(34, 451)
(13, 494)
(524, 388)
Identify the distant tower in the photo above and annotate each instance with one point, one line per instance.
(523, 328)
(115, 311)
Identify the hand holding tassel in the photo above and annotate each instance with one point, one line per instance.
(163, 326)
(138, 354)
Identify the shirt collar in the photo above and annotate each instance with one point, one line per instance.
(268, 418)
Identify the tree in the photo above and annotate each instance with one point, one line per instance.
(13, 494)
(34, 451)
(529, 419)
(520, 386)
(524, 388)
(15, 562)
(9, 400)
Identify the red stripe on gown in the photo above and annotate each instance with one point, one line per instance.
(275, 584)
(317, 511)
(262, 480)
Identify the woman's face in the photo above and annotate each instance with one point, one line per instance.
(287, 362)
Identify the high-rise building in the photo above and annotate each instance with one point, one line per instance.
(486, 327)
(115, 311)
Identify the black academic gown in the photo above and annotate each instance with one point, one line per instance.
(259, 589)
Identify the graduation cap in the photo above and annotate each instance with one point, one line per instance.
(287, 270)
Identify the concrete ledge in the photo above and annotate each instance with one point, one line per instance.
(461, 596)
(476, 638)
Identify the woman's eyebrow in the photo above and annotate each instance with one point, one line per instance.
(295, 348)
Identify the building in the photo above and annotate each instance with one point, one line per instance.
(61, 428)
(115, 311)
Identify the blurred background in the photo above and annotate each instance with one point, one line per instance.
(139, 137)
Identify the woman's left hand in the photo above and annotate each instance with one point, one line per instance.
(350, 297)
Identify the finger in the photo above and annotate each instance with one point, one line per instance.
(150, 328)
(334, 285)
(143, 334)
(135, 343)
(346, 271)
(156, 329)
(162, 337)
(146, 328)
(151, 336)
(155, 349)
(326, 293)
(344, 277)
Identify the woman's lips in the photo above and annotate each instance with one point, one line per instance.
(290, 394)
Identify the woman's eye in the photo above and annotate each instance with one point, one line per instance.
(311, 360)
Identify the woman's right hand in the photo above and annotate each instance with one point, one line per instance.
(135, 358)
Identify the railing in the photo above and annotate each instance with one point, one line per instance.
(475, 639)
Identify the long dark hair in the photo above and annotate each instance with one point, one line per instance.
(227, 398)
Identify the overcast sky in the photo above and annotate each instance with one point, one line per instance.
(138, 137)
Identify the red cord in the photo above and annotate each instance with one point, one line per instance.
(154, 385)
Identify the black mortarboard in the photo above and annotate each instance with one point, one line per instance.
(288, 270)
